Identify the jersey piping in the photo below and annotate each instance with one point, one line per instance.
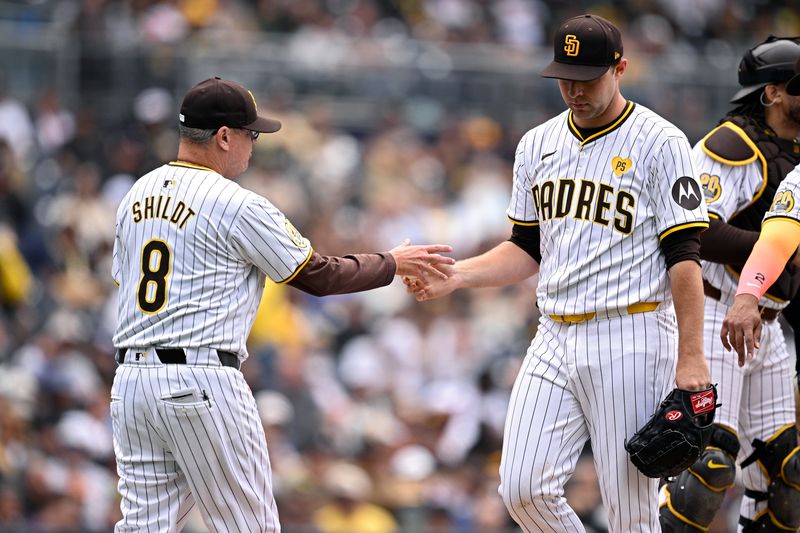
(299, 268)
(782, 217)
(189, 165)
(576, 132)
(521, 223)
(679, 227)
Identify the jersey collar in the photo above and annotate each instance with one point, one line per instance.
(189, 165)
(605, 130)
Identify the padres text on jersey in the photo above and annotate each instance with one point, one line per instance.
(603, 204)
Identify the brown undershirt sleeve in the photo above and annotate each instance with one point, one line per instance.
(723, 243)
(330, 274)
(527, 238)
(683, 245)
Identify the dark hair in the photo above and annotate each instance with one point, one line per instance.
(749, 107)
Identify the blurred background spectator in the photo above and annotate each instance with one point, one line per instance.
(400, 119)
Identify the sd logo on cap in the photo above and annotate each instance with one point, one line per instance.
(583, 48)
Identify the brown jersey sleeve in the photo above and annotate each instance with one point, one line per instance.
(330, 274)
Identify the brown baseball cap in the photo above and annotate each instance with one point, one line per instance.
(793, 85)
(215, 102)
(583, 49)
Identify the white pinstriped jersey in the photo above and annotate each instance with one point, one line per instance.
(191, 256)
(785, 203)
(602, 204)
(728, 189)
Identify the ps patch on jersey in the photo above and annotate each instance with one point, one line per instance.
(297, 238)
(620, 166)
(784, 202)
(712, 188)
(686, 193)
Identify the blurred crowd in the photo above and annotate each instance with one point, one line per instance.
(382, 414)
(518, 23)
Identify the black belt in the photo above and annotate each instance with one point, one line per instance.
(767, 313)
(176, 356)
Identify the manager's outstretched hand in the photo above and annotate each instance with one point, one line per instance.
(421, 260)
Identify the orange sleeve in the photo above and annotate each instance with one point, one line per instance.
(777, 244)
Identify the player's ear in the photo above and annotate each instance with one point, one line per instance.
(620, 67)
(223, 138)
(772, 94)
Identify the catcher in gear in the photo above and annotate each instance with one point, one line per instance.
(675, 435)
(743, 165)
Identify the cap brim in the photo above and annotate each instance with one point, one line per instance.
(564, 71)
(264, 125)
(747, 91)
(793, 85)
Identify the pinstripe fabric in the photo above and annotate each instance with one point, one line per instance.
(569, 391)
(589, 266)
(191, 255)
(173, 452)
(602, 204)
(737, 186)
(757, 399)
(220, 260)
(786, 203)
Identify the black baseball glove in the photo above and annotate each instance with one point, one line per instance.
(674, 437)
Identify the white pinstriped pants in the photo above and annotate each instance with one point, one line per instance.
(757, 399)
(599, 380)
(174, 448)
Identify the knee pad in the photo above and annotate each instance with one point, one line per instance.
(691, 500)
(779, 460)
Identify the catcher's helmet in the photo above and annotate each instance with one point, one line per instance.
(771, 61)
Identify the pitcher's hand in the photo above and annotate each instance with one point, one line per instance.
(692, 372)
(431, 288)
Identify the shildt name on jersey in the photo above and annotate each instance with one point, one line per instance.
(584, 200)
(158, 207)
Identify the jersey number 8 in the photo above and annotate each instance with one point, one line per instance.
(152, 292)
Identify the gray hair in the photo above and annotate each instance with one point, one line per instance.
(195, 135)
